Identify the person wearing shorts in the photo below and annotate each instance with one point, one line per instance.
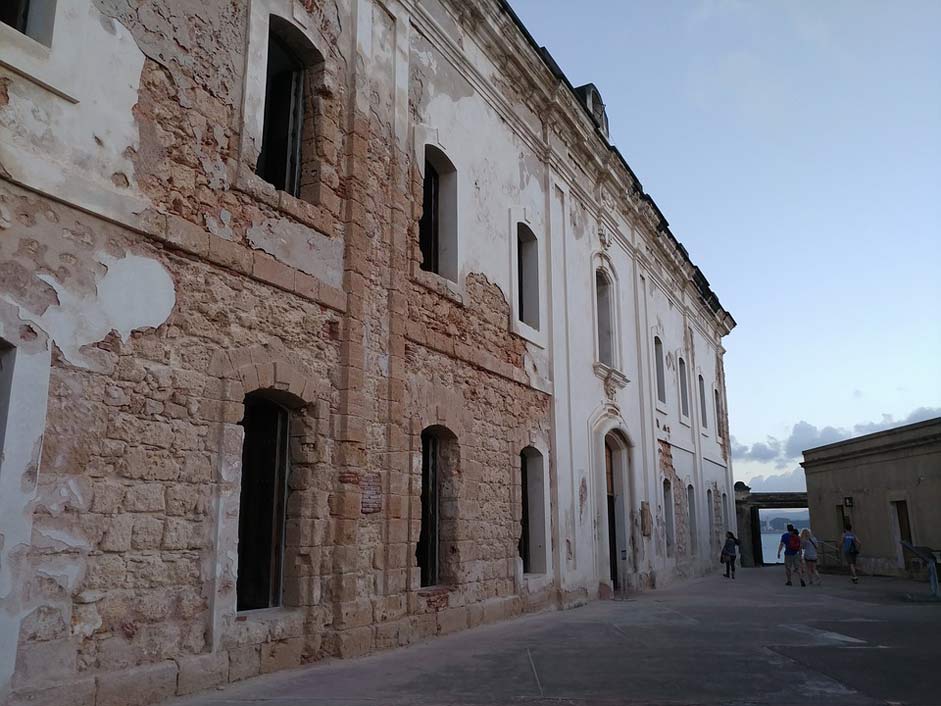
(791, 544)
(850, 545)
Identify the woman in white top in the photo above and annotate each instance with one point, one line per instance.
(809, 548)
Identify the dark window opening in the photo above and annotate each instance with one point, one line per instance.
(661, 375)
(527, 272)
(428, 226)
(605, 319)
(668, 514)
(280, 160)
(702, 402)
(262, 504)
(428, 540)
(15, 13)
(684, 390)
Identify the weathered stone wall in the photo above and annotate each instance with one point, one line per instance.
(149, 281)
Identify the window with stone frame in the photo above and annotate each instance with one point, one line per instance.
(437, 229)
(684, 388)
(34, 18)
(527, 276)
(262, 503)
(439, 464)
(604, 304)
(288, 158)
(660, 370)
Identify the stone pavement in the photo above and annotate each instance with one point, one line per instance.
(707, 641)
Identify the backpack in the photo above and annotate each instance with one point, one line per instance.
(794, 543)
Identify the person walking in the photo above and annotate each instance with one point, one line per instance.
(851, 545)
(791, 544)
(729, 553)
(809, 550)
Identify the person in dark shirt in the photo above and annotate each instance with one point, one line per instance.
(791, 544)
(729, 552)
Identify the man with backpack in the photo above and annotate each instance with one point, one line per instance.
(850, 544)
(791, 544)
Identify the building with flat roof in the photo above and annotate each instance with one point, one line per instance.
(888, 485)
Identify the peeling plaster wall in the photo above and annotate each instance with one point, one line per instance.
(150, 280)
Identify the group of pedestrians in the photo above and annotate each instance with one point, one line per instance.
(800, 554)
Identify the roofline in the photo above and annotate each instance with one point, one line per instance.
(702, 284)
(936, 421)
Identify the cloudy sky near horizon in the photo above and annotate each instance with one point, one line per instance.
(795, 149)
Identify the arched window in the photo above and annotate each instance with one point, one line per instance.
(661, 374)
(262, 503)
(691, 507)
(533, 526)
(437, 229)
(604, 301)
(288, 116)
(438, 465)
(702, 402)
(668, 515)
(527, 273)
(34, 18)
(684, 389)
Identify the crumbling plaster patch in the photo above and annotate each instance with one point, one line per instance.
(306, 249)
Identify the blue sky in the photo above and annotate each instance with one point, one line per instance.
(795, 148)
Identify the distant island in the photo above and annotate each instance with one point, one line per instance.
(778, 524)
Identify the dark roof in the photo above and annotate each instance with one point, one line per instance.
(702, 284)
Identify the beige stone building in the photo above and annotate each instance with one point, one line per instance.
(888, 486)
(326, 327)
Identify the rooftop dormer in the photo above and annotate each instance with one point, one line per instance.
(592, 100)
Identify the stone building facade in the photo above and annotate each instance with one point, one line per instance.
(325, 327)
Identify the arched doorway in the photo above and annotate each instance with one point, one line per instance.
(614, 521)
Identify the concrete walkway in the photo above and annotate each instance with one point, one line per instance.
(708, 641)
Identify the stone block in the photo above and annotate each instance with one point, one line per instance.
(43, 662)
(80, 692)
(137, 686)
(452, 620)
(144, 497)
(355, 642)
(198, 672)
(283, 654)
(244, 662)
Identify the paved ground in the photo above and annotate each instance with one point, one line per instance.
(709, 641)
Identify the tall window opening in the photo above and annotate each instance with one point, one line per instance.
(725, 513)
(611, 507)
(691, 506)
(291, 59)
(34, 18)
(684, 389)
(262, 503)
(668, 515)
(527, 273)
(7, 357)
(716, 407)
(437, 229)
(702, 402)
(661, 374)
(532, 543)
(438, 466)
(604, 302)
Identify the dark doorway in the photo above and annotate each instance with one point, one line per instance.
(757, 550)
(905, 529)
(524, 519)
(612, 522)
(427, 550)
(262, 503)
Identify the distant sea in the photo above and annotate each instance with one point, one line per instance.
(769, 547)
